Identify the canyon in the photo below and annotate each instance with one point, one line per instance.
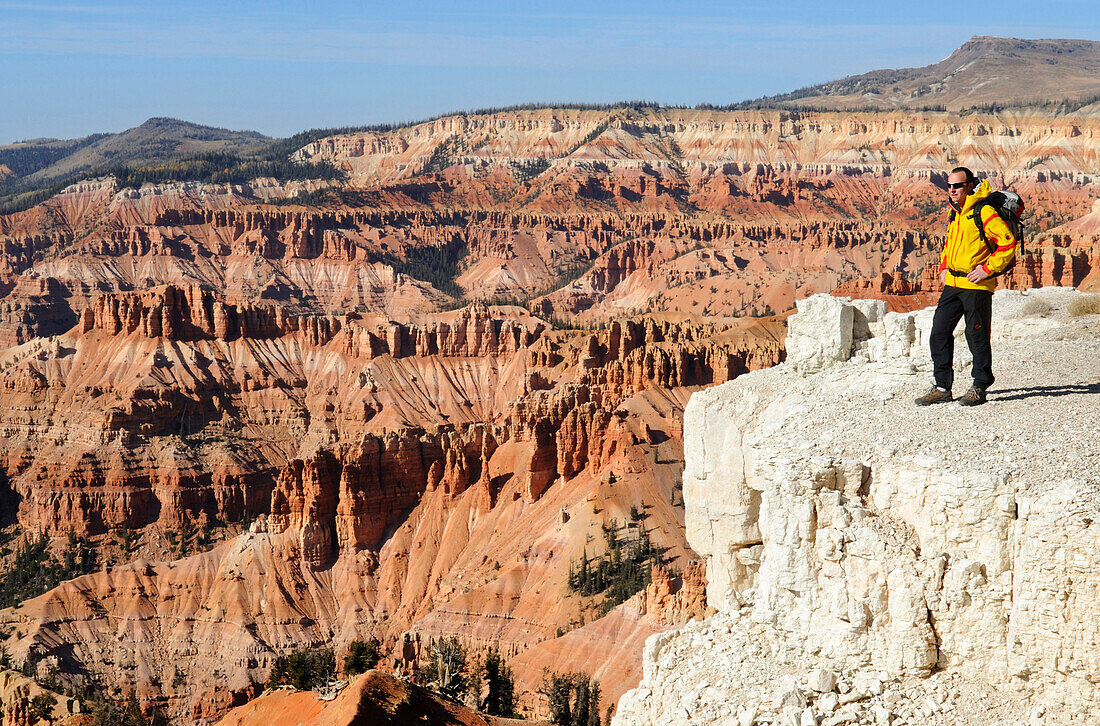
(407, 403)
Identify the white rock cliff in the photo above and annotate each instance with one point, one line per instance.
(876, 562)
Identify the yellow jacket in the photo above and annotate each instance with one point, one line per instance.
(964, 249)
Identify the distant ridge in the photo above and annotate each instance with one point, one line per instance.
(985, 73)
(163, 149)
(34, 164)
(155, 140)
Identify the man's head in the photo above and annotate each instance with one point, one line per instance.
(960, 182)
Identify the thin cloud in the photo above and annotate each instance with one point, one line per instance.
(75, 9)
(626, 41)
(637, 43)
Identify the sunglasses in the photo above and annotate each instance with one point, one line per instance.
(956, 185)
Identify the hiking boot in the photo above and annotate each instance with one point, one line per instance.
(934, 395)
(974, 397)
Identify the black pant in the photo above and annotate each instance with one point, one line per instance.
(977, 306)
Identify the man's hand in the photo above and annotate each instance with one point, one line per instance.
(977, 274)
(943, 277)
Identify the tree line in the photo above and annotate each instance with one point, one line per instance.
(436, 265)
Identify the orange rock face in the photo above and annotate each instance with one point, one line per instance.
(389, 468)
(185, 362)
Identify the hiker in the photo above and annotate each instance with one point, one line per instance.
(968, 269)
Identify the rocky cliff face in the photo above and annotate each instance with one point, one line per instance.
(385, 469)
(872, 561)
(781, 178)
(748, 147)
(172, 405)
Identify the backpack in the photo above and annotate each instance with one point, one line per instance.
(1009, 206)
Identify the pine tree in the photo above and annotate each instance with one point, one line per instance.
(580, 701)
(557, 688)
(594, 704)
(361, 656)
(132, 714)
(42, 707)
(500, 700)
(277, 674)
(585, 578)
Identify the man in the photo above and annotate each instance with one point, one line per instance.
(967, 270)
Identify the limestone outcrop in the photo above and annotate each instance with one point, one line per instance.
(876, 562)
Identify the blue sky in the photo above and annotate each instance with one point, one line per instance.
(72, 68)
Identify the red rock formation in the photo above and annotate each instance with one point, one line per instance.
(194, 313)
(16, 695)
(812, 199)
(397, 523)
(676, 600)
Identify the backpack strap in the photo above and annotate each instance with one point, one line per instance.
(977, 217)
(995, 200)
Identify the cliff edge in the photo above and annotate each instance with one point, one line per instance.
(873, 562)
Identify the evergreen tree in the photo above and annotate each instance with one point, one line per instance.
(580, 700)
(618, 573)
(308, 668)
(305, 668)
(362, 656)
(42, 706)
(33, 571)
(106, 711)
(501, 699)
(594, 704)
(132, 715)
(557, 688)
(277, 676)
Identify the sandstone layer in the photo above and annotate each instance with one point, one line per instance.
(875, 562)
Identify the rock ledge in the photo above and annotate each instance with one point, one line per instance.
(874, 562)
